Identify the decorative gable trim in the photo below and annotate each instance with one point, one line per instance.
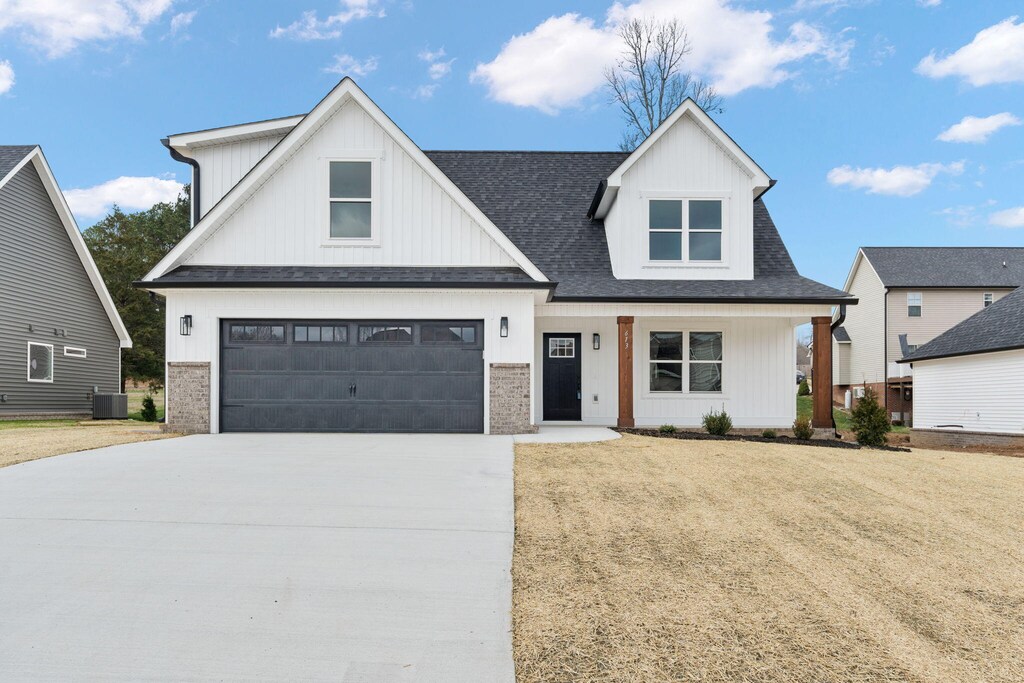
(67, 219)
(345, 91)
(603, 202)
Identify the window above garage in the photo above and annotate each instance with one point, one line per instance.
(353, 199)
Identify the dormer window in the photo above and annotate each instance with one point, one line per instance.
(351, 199)
(698, 220)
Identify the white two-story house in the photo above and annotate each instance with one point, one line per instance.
(339, 278)
(907, 297)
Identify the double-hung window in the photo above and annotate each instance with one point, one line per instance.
(989, 298)
(40, 362)
(351, 197)
(914, 304)
(685, 230)
(685, 359)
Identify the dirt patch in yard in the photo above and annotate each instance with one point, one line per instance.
(647, 559)
(43, 440)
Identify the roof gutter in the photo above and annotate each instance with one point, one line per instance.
(178, 156)
(771, 184)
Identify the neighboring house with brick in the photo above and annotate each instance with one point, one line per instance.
(339, 278)
(907, 297)
(968, 380)
(62, 336)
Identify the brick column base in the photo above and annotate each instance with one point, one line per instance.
(188, 398)
(510, 399)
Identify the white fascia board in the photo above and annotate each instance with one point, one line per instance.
(213, 136)
(341, 93)
(68, 221)
(21, 164)
(689, 108)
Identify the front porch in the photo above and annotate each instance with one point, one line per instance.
(647, 365)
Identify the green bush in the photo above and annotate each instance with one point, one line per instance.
(769, 434)
(148, 409)
(717, 423)
(805, 388)
(667, 429)
(802, 428)
(868, 420)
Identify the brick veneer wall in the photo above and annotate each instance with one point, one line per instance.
(945, 438)
(188, 398)
(510, 399)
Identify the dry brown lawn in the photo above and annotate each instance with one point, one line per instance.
(42, 439)
(650, 559)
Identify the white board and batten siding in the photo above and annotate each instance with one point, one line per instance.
(978, 393)
(759, 360)
(685, 163)
(285, 221)
(209, 307)
(221, 166)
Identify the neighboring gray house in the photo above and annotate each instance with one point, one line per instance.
(62, 336)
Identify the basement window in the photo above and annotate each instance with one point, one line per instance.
(40, 362)
(74, 352)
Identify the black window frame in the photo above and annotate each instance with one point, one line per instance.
(246, 323)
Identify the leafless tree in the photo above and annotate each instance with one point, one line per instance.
(647, 81)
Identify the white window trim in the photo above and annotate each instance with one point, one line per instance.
(28, 363)
(572, 345)
(919, 304)
(685, 391)
(374, 157)
(685, 197)
(987, 299)
(75, 352)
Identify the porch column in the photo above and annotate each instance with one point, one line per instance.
(822, 373)
(626, 371)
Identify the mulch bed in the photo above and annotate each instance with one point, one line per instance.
(782, 438)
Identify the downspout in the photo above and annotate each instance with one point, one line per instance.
(832, 330)
(178, 156)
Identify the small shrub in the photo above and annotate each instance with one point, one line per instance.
(769, 434)
(868, 420)
(804, 390)
(667, 429)
(148, 409)
(717, 423)
(802, 428)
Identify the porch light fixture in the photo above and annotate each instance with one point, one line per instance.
(503, 330)
(597, 342)
(186, 325)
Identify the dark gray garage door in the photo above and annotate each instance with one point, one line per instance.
(352, 376)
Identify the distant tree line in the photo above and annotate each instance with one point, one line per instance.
(125, 247)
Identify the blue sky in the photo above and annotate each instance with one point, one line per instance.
(843, 101)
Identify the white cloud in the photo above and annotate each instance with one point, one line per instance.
(438, 67)
(562, 60)
(128, 192)
(929, 3)
(977, 129)
(181, 21)
(1008, 218)
(6, 76)
(59, 27)
(996, 55)
(309, 27)
(901, 181)
(347, 65)
(425, 92)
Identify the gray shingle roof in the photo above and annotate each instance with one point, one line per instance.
(540, 201)
(840, 334)
(343, 276)
(948, 266)
(11, 156)
(995, 328)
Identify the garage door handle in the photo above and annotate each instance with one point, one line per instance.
(352, 390)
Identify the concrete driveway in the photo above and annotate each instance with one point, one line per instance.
(274, 557)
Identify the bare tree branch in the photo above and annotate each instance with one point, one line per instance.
(647, 82)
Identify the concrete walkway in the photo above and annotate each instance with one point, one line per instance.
(256, 557)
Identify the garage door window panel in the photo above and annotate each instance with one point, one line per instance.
(252, 332)
(385, 334)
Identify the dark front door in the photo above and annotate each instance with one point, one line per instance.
(352, 376)
(562, 397)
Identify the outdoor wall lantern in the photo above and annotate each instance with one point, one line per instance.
(186, 325)
(597, 342)
(503, 330)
